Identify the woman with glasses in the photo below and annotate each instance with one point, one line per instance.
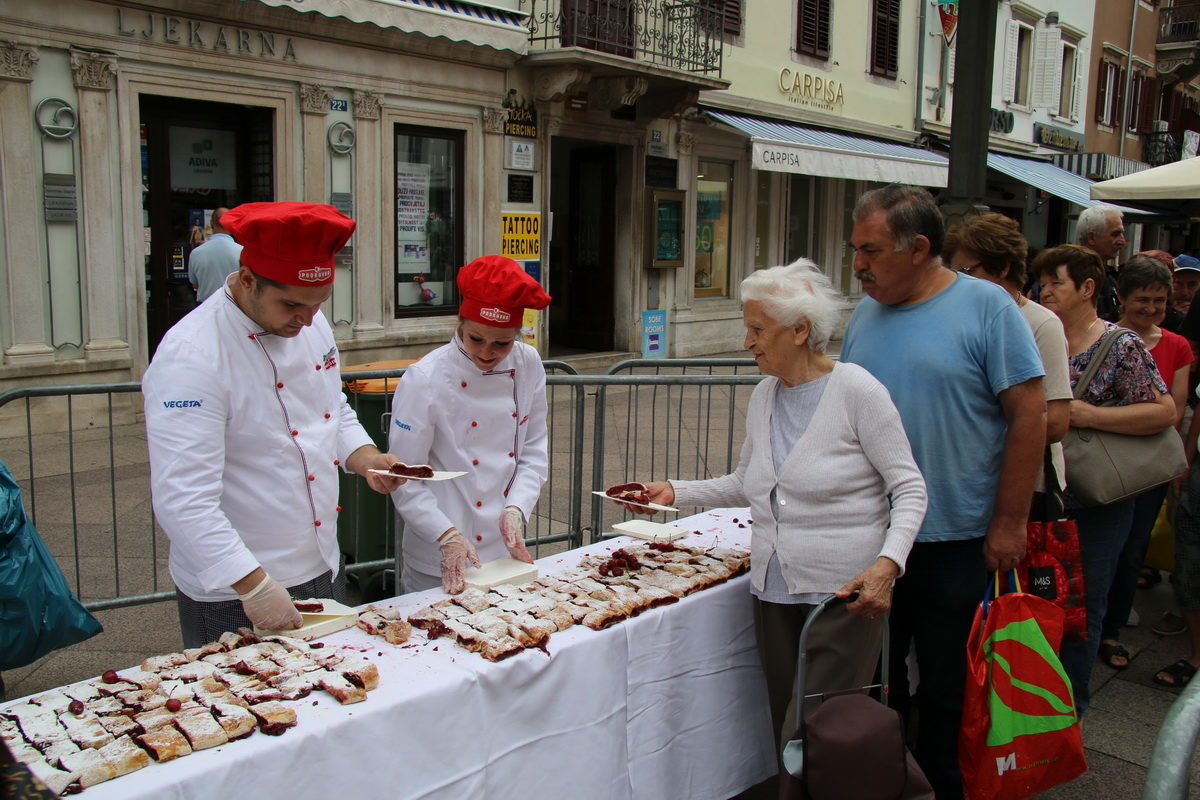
(1128, 396)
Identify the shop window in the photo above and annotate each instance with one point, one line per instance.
(812, 28)
(714, 197)
(885, 38)
(429, 250)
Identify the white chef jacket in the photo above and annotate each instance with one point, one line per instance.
(246, 431)
(451, 415)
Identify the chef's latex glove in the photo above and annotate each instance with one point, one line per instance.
(456, 552)
(269, 606)
(512, 528)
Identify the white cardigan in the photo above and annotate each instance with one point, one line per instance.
(833, 488)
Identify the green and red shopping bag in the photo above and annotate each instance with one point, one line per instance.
(1019, 735)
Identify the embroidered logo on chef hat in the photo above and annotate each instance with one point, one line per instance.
(289, 242)
(496, 291)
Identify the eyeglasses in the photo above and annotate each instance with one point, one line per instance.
(970, 269)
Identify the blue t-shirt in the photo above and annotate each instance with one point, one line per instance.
(944, 361)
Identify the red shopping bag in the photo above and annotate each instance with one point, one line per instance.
(1019, 735)
(1052, 570)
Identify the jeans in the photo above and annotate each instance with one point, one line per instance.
(1124, 585)
(932, 609)
(1102, 534)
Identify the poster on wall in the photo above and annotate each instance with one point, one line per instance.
(412, 217)
(202, 158)
(948, 12)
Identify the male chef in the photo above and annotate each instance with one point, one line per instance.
(476, 405)
(247, 427)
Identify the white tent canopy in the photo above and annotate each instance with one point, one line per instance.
(1176, 181)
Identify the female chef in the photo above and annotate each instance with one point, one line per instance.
(477, 405)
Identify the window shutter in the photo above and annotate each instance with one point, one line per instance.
(1047, 67)
(731, 17)
(952, 57)
(1081, 57)
(812, 36)
(1011, 33)
(1148, 104)
(885, 37)
(1118, 96)
(1102, 91)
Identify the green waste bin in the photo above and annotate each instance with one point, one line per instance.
(367, 522)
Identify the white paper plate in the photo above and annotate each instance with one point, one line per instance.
(655, 506)
(502, 570)
(437, 476)
(333, 618)
(650, 531)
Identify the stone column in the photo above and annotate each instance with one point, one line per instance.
(373, 269)
(493, 177)
(23, 250)
(314, 104)
(102, 267)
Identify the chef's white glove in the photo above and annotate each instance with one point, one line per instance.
(269, 606)
(456, 552)
(512, 528)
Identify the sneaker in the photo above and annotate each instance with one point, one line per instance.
(1171, 624)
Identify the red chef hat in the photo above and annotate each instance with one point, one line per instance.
(289, 242)
(496, 291)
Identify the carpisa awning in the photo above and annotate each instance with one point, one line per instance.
(1049, 178)
(780, 147)
(458, 21)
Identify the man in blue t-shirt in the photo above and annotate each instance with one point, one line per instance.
(962, 367)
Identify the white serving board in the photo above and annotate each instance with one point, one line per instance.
(655, 506)
(437, 476)
(650, 531)
(335, 617)
(502, 570)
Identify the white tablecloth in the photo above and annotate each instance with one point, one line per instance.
(671, 704)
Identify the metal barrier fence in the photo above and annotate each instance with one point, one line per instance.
(87, 487)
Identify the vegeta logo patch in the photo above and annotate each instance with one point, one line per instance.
(404, 426)
(181, 403)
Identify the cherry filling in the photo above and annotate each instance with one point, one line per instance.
(309, 606)
(631, 492)
(418, 471)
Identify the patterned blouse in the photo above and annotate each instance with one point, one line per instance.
(1128, 374)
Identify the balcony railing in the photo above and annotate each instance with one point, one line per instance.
(1179, 23)
(684, 36)
(1162, 147)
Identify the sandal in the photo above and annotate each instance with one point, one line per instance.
(1114, 655)
(1177, 674)
(1148, 577)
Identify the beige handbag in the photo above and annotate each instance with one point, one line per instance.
(1104, 467)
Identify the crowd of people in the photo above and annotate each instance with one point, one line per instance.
(896, 477)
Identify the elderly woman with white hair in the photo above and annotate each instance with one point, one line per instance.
(827, 471)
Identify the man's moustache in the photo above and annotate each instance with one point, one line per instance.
(864, 276)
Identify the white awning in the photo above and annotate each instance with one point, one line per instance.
(457, 20)
(1049, 178)
(1179, 180)
(780, 147)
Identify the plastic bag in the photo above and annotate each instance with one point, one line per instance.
(38, 613)
(1020, 734)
